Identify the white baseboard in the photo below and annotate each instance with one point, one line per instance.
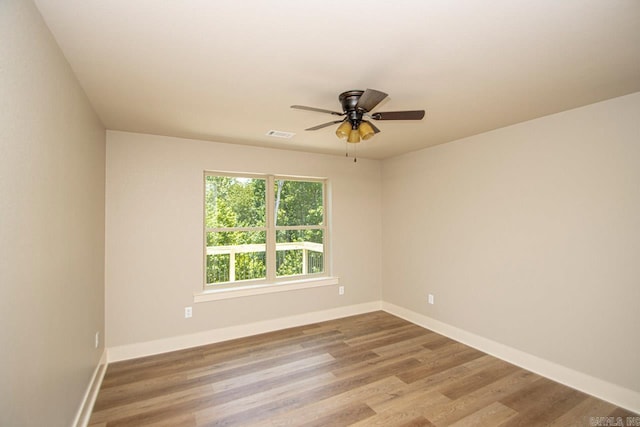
(132, 351)
(619, 396)
(89, 399)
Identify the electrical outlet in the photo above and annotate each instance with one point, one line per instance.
(97, 340)
(188, 312)
(431, 299)
(341, 290)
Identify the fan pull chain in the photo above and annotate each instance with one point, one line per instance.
(355, 151)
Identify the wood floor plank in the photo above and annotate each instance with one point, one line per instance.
(432, 383)
(417, 422)
(342, 416)
(373, 363)
(388, 339)
(478, 379)
(271, 409)
(143, 391)
(215, 397)
(409, 344)
(138, 407)
(285, 380)
(496, 414)
(405, 409)
(284, 391)
(438, 342)
(223, 363)
(383, 333)
(580, 415)
(319, 409)
(437, 361)
(364, 370)
(541, 402)
(167, 385)
(457, 409)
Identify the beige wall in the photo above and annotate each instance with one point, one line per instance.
(528, 235)
(52, 154)
(154, 235)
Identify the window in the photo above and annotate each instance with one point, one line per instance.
(263, 229)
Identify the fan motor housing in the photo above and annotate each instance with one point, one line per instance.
(349, 99)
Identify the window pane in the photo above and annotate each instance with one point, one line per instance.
(234, 202)
(299, 252)
(236, 255)
(298, 202)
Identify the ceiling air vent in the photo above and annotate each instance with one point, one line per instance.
(280, 134)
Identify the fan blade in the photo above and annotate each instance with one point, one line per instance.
(324, 125)
(369, 99)
(399, 115)
(319, 110)
(375, 129)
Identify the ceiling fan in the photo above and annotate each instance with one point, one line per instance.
(356, 108)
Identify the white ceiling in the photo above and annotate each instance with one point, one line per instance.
(229, 70)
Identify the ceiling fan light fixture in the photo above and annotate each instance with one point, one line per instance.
(366, 131)
(344, 130)
(356, 105)
(354, 136)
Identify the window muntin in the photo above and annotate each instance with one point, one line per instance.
(262, 228)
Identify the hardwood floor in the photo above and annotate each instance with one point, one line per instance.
(368, 370)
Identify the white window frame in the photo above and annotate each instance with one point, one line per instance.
(271, 283)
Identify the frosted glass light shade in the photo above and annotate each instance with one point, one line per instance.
(366, 131)
(344, 130)
(354, 136)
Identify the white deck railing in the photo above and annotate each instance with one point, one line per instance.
(232, 250)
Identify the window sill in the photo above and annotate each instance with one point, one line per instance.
(245, 291)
